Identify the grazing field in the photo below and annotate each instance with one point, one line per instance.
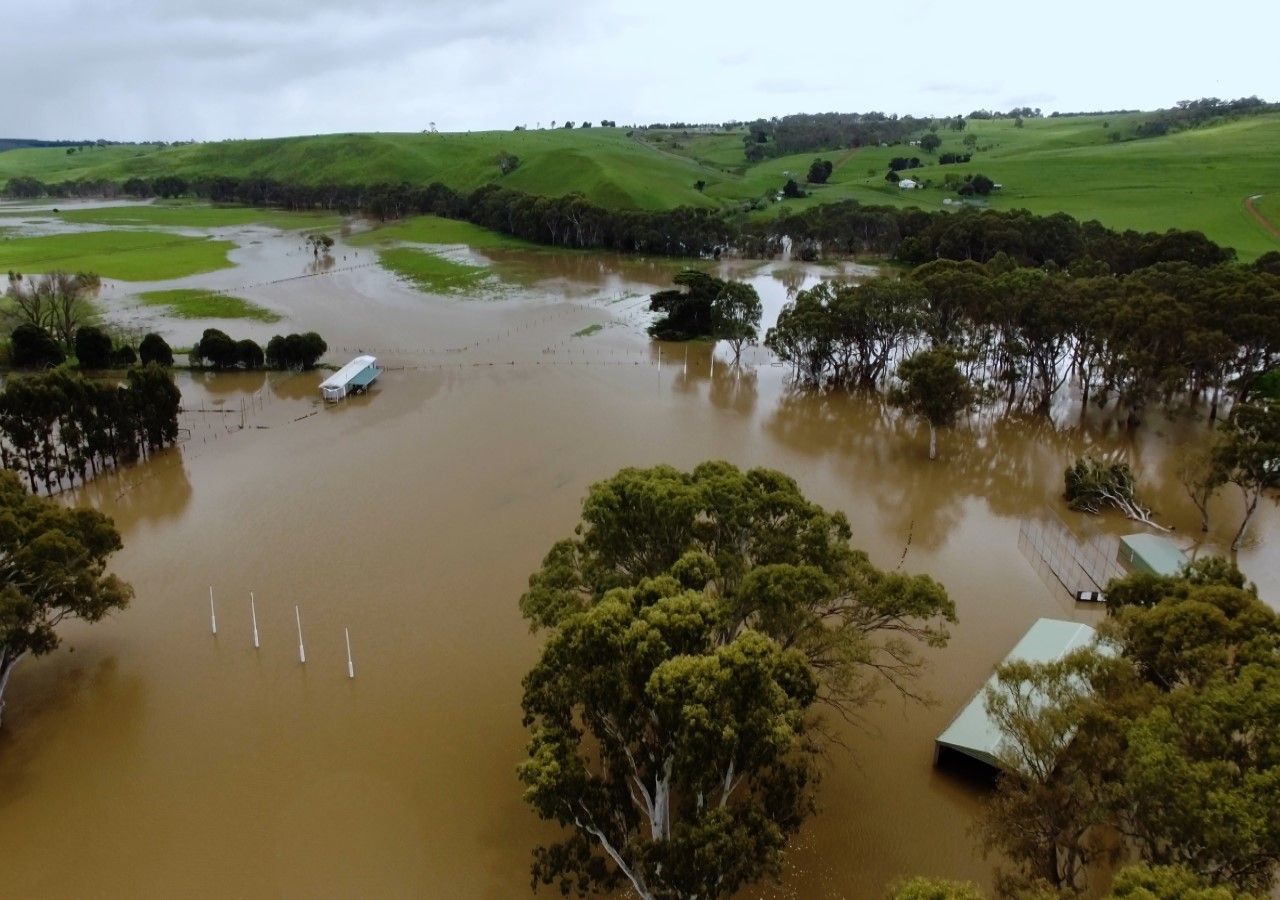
(431, 273)
(601, 163)
(198, 215)
(126, 255)
(187, 303)
(1089, 166)
(434, 230)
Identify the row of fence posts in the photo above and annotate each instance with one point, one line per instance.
(297, 615)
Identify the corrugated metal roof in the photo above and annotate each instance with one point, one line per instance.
(972, 732)
(1152, 553)
(347, 374)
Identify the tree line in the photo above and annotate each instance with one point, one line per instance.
(845, 228)
(217, 350)
(1169, 333)
(59, 428)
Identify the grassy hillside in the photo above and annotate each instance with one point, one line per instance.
(1194, 179)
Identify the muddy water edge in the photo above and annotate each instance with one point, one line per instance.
(150, 757)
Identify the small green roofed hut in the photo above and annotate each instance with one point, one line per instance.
(972, 733)
(1151, 553)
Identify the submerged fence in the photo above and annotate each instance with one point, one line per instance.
(1077, 564)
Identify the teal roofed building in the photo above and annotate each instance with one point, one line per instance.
(1151, 553)
(972, 733)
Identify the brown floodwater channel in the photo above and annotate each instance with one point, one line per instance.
(150, 757)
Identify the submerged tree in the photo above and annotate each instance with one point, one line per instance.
(693, 619)
(1093, 485)
(54, 568)
(933, 388)
(1248, 456)
(735, 316)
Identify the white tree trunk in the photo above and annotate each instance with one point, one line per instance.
(7, 662)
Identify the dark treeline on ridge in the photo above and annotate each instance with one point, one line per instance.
(59, 428)
(846, 228)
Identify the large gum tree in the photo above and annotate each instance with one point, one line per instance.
(52, 567)
(695, 624)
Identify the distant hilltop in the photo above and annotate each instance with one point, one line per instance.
(1202, 165)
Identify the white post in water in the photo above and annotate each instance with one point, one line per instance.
(686, 362)
(351, 667)
(713, 364)
(253, 613)
(302, 651)
(213, 615)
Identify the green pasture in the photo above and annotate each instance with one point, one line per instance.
(1194, 179)
(187, 303)
(197, 215)
(435, 230)
(126, 255)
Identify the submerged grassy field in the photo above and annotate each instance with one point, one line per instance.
(126, 255)
(1194, 179)
(187, 303)
(198, 215)
(434, 230)
(431, 273)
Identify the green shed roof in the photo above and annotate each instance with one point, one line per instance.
(1152, 553)
(972, 732)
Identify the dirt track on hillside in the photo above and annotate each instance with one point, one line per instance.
(1266, 223)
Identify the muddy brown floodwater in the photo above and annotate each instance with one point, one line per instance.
(148, 757)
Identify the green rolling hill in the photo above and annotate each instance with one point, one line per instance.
(1195, 179)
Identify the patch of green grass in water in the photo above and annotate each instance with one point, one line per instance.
(433, 274)
(435, 230)
(126, 255)
(187, 303)
(193, 215)
(589, 330)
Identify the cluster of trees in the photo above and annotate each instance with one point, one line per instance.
(703, 306)
(1195, 113)
(917, 236)
(57, 302)
(31, 347)
(826, 131)
(846, 228)
(819, 171)
(54, 569)
(695, 622)
(295, 351)
(1018, 112)
(59, 428)
(1161, 742)
(1172, 332)
(51, 310)
(899, 163)
(507, 162)
(949, 159)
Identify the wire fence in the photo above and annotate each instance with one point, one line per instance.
(1078, 565)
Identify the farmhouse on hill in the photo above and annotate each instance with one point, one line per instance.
(908, 184)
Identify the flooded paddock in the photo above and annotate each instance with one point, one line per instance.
(148, 757)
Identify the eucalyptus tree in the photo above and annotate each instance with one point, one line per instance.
(54, 568)
(693, 620)
(1248, 456)
(933, 388)
(735, 316)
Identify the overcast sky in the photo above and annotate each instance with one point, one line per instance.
(209, 69)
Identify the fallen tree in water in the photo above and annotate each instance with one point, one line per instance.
(1093, 485)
